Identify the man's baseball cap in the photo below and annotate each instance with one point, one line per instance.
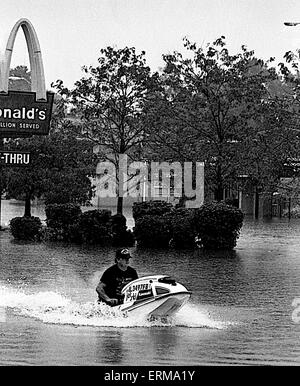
(123, 254)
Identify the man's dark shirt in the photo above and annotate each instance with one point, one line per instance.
(115, 279)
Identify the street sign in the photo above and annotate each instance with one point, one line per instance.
(14, 158)
(22, 115)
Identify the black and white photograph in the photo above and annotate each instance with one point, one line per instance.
(149, 186)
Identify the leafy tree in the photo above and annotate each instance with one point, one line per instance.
(19, 79)
(109, 102)
(273, 144)
(208, 107)
(269, 148)
(21, 72)
(60, 169)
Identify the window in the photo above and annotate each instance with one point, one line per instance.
(161, 290)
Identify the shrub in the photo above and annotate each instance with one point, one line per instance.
(121, 236)
(218, 225)
(159, 208)
(182, 228)
(26, 228)
(66, 222)
(60, 216)
(94, 226)
(53, 234)
(153, 231)
(159, 224)
(62, 221)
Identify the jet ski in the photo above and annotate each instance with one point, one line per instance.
(155, 297)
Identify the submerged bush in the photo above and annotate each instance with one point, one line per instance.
(159, 208)
(218, 225)
(182, 228)
(66, 222)
(26, 228)
(152, 231)
(94, 227)
(52, 234)
(121, 236)
(61, 220)
(60, 216)
(159, 224)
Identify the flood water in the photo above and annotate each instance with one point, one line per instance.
(241, 309)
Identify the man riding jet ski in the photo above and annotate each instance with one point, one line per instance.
(153, 296)
(115, 278)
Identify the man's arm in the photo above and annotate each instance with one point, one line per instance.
(101, 292)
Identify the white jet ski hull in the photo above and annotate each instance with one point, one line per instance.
(154, 297)
(160, 308)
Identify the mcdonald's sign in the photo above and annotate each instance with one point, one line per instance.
(24, 113)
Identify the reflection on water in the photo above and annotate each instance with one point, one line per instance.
(111, 347)
(240, 311)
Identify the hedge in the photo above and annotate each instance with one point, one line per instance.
(182, 228)
(159, 208)
(94, 227)
(121, 236)
(26, 228)
(66, 222)
(218, 225)
(153, 231)
(60, 216)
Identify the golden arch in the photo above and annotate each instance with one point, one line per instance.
(35, 58)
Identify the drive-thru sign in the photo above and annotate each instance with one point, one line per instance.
(14, 158)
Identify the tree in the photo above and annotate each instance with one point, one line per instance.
(212, 100)
(109, 103)
(60, 169)
(270, 147)
(273, 145)
(19, 79)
